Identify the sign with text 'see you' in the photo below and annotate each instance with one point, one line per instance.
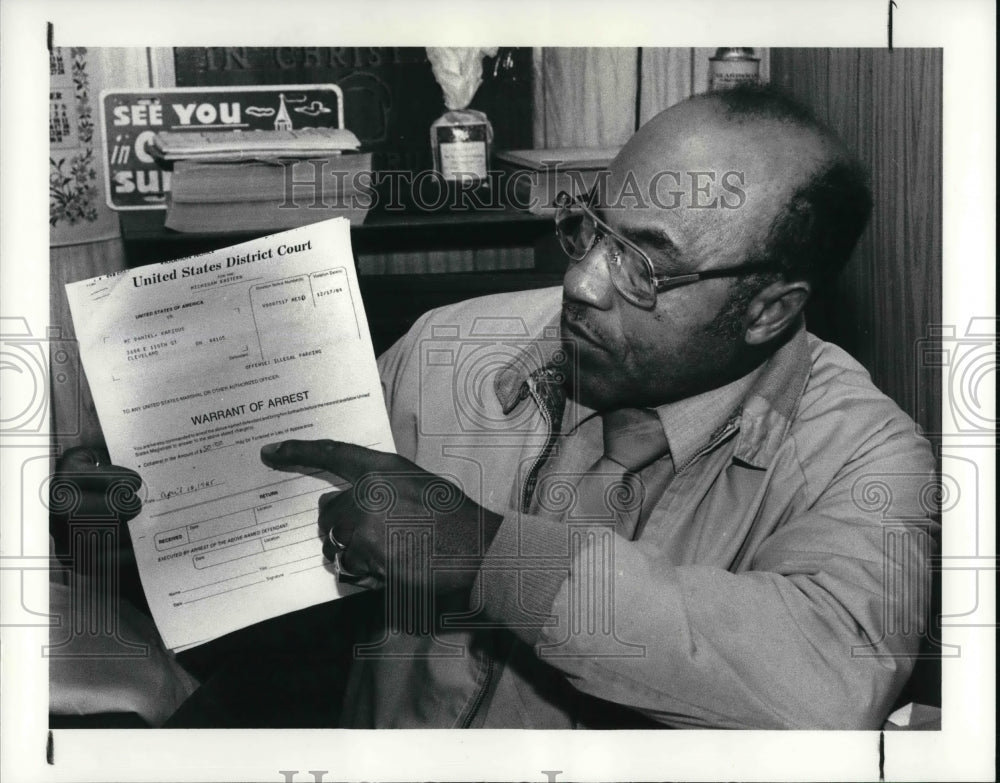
(132, 118)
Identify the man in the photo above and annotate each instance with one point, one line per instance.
(643, 500)
(746, 585)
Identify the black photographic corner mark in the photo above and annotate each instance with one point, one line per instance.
(892, 4)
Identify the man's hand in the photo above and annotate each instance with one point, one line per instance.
(385, 485)
(87, 486)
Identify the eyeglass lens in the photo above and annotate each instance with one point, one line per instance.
(577, 234)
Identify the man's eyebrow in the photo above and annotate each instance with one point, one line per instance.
(646, 237)
(653, 238)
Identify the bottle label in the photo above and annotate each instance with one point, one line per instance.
(729, 73)
(462, 151)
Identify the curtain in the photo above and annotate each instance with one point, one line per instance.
(598, 97)
(584, 97)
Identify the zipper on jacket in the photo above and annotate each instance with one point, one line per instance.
(548, 408)
(484, 687)
(723, 434)
(552, 432)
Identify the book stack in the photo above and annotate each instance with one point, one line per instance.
(535, 177)
(235, 181)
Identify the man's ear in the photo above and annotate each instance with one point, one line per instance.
(774, 309)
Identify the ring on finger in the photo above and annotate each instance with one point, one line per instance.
(341, 571)
(339, 546)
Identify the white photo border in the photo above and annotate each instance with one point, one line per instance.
(962, 750)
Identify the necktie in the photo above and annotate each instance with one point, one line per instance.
(633, 438)
(616, 485)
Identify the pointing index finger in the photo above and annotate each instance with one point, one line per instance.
(347, 460)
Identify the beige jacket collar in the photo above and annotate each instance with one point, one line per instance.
(760, 405)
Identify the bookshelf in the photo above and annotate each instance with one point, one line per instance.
(147, 241)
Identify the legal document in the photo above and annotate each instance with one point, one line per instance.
(194, 365)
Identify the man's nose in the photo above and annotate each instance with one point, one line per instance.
(589, 281)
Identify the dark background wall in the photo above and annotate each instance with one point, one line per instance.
(390, 95)
(887, 106)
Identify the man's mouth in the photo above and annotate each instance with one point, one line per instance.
(575, 326)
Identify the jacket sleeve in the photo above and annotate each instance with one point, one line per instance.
(396, 371)
(818, 632)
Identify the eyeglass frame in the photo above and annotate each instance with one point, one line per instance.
(564, 201)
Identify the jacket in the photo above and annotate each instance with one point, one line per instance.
(781, 581)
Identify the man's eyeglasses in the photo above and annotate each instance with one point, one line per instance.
(631, 270)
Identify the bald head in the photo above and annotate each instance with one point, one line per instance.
(753, 178)
(703, 194)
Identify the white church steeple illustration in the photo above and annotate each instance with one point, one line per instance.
(282, 121)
